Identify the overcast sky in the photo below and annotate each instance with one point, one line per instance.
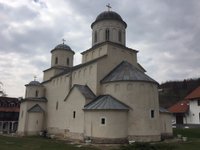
(166, 33)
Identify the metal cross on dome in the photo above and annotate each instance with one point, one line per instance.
(63, 41)
(35, 77)
(109, 7)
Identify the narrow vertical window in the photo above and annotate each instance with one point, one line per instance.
(56, 60)
(67, 61)
(107, 34)
(119, 36)
(36, 93)
(152, 113)
(103, 121)
(95, 36)
(74, 114)
(57, 105)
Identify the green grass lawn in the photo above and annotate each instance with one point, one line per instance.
(36, 143)
(193, 142)
(39, 143)
(191, 133)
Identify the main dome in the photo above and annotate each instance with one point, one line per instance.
(109, 15)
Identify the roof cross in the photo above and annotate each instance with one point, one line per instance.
(35, 77)
(63, 41)
(109, 7)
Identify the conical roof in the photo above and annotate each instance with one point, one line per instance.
(127, 72)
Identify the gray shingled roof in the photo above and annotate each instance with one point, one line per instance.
(104, 102)
(63, 47)
(33, 83)
(36, 108)
(85, 91)
(127, 72)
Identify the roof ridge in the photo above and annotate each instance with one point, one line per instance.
(35, 106)
(112, 71)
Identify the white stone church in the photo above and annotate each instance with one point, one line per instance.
(108, 98)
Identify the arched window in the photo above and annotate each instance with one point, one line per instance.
(56, 60)
(107, 34)
(95, 36)
(119, 36)
(67, 61)
(152, 113)
(36, 93)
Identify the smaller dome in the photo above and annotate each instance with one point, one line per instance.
(62, 46)
(34, 83)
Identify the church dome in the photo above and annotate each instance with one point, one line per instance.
(34, 83)
(109, 15)
(63, 47)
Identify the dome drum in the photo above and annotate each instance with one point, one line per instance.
(108, 26)
(62, 55)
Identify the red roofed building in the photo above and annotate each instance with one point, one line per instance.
(194, 95)
(179, 110)
(9, 114)
(187, 111)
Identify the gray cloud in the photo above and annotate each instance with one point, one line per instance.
(166, 33)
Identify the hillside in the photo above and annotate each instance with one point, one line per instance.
(173, 91)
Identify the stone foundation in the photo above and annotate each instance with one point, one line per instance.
(166, 136)
(74, 136)
(108, 140)
(30, 133)
(55, 130)
(144, 138)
